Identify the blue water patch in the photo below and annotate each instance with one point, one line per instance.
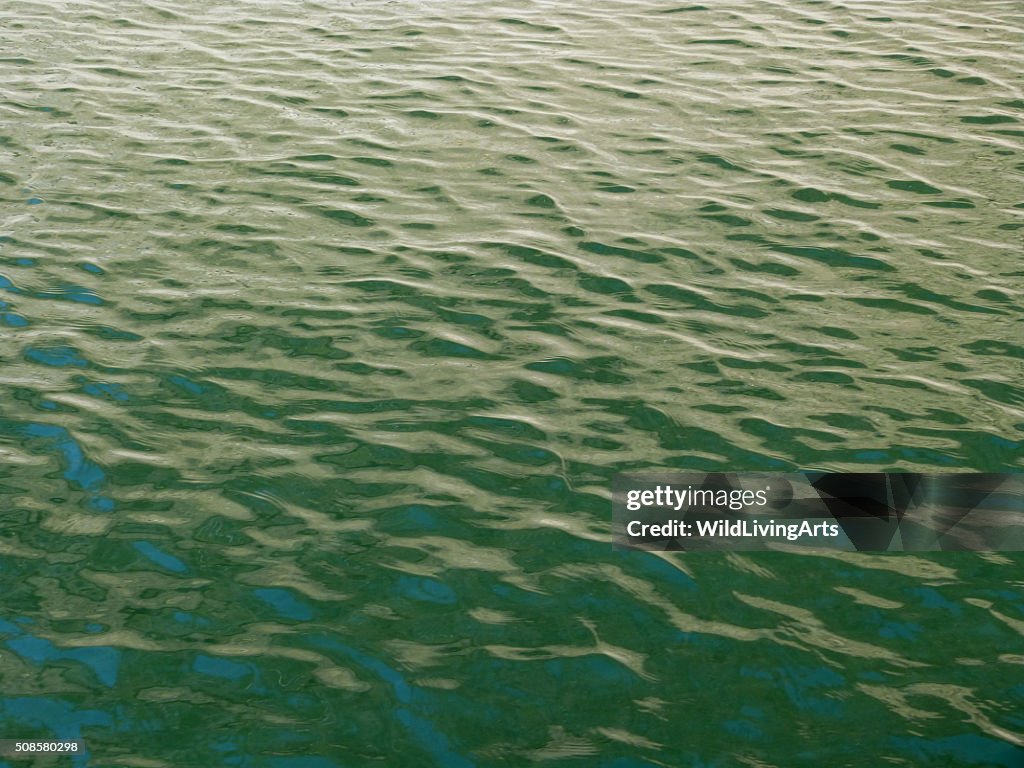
(102, 660)
(900, 630)
(425, 590)
(106, 391)
(871, 455)
(423, 731)
(285, 603)
(816, 677)
(445, 347)
(187, 384)
(559, 366)
(80, 470)
(33, 648)
(58, 357)
(7, 628)
(34, 201)
(158, 556)
(216, 666)
(75, 293)
(401, 688)
(435, 743)
(302, 701)
(93, 268)
(932, 598)
(1006, 598)
(224, 745)
(595, 668)
(184, 617)
(743, 729)
(15, 320)
(800, 685)
(417, 517)
(101, 504)
(45, 430)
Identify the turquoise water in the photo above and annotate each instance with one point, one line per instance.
(325, 326)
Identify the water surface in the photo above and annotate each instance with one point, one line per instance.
(326, 325)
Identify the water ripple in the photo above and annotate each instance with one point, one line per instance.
(325, 329)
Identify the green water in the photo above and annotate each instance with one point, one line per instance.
(324, 327)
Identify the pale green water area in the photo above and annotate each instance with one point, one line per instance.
(324, 327)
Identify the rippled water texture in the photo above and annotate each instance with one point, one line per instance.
(326, 325)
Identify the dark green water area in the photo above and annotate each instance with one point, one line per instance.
(324, 327)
